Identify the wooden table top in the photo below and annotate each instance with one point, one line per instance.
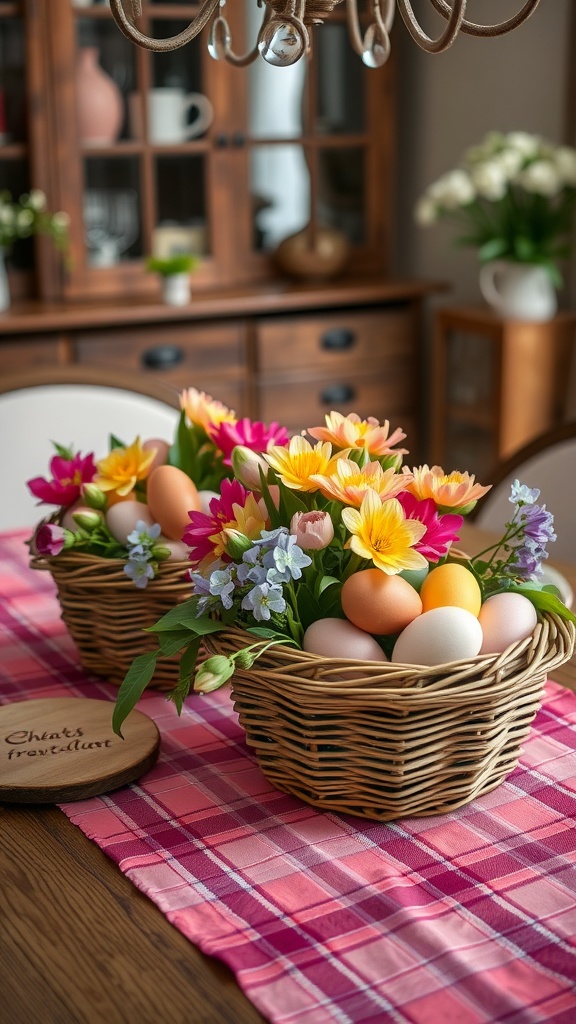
(81, 944)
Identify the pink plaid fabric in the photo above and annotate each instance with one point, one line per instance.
(469, 917)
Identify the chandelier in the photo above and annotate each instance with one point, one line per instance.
(284, 37)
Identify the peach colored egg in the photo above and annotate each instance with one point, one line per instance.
(338, 638)
(121, 518)
(505, 619)
(378, 603)
(179, 551)
(68, 521)
(441, 635)
(171, 495)
(162, 449)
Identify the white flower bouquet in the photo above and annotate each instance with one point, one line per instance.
(513, 196)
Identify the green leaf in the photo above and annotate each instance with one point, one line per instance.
(170, 642)
(325, 582)
(115, 442)
(182, 453)
(271, 634)
(132, 687)
(187, 665)
(545, 601)
(492, 249)
(184, 615)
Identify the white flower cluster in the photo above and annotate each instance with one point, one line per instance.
(27, 216)
(516, 160)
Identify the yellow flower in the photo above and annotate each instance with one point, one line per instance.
(455, 491)
(204, 410)
(249, 520)
(352, 432)
(121, 470)
(298, 464)
(349, 483)
(381, 532)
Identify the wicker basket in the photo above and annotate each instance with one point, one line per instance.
(106, 614)
(395, 740)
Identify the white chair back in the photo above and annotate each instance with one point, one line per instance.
(549, 464)
(72, 413)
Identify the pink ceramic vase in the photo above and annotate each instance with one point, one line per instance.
(100, 102)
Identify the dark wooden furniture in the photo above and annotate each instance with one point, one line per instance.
(495, 384)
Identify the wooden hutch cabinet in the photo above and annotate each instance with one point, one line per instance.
(279, 149)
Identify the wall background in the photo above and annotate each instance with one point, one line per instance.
(449, 101)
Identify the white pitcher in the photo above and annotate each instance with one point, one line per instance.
(518, 291)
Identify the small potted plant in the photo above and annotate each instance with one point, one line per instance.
(175, 275)
(21, 218)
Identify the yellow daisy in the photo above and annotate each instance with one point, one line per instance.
(123, 468)
(352, 432)
(349, 482)
(381, 532)
(455, 491)
(299, 463)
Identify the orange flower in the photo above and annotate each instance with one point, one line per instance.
(204, 410)
(299, 463)
(121, 470)
(348, 482)
(352, 432)
(455, 492)
(381, 532)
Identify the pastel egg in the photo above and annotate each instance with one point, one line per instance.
(171, 495)
(338, 638)
(506, 619)
(451, 584)
(121, 518)
(179, 551)
(439, 636)
(378, 603)
(161, 448)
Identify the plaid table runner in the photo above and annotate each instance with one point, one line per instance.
(469, 917)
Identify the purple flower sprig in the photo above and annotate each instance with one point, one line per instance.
(518, 555)
(144, 554)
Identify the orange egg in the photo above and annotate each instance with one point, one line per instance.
(451, 584)
(171, 495)
(378, 603)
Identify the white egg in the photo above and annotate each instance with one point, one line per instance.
(205, 499)
(439, 636)
(505, 619)
(122, 517)
(338, 638)
(179, 551)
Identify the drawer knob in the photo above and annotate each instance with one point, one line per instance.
(338, 339)
(162, 357)
(337, 393)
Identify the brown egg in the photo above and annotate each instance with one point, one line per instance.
(161, 448)
(171, 495)
(378, 603)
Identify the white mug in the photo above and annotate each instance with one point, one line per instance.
(168, 115)
(518, 291)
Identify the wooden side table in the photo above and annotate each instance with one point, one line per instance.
(496, 384)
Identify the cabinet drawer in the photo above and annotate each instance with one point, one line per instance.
(208, 357)
(305, 403)
(23, 353)
(326, 341)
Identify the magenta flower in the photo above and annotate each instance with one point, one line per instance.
(68, 478)
(441, 531)
(208, 533)
(49, 539)
(254, 435)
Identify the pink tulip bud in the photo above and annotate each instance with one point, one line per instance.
(247, 465)
(313, 530)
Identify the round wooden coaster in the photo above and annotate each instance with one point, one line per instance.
(63, 748)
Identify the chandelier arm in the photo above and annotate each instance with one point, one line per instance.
(250, 57)
(470, 28)
(454, 16)
(127, 26)
(383, 19)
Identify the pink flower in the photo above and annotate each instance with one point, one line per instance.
(441, 531)
(68, 478)
(49, 539)
(254, 435)
(313, 530)
(235, 509)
